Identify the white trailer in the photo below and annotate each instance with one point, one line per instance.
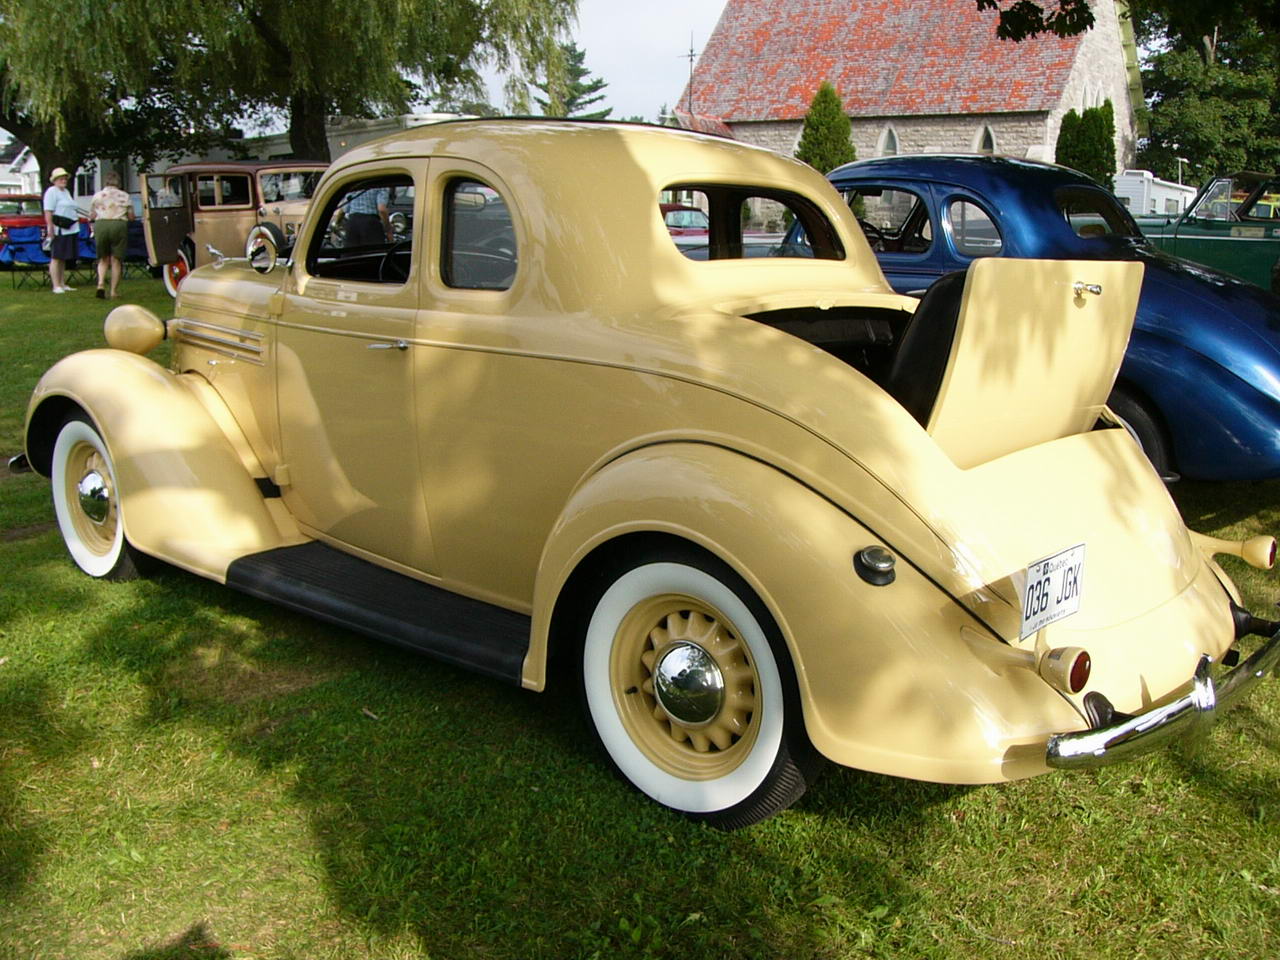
(1145, 194)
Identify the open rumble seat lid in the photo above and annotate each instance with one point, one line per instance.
(1037, 348)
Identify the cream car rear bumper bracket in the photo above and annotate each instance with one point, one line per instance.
(1186, 717)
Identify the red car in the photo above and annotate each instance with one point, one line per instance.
(20, 210)
(684, 221)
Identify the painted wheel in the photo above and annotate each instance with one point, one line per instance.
(87, 504)
(690, 690)
(174, 273)
(1143, 427)
(264, 237)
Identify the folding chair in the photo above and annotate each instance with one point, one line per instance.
(84, 268)
(30, 262)
(136, 263)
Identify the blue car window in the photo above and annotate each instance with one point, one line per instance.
(1093, 213)
(972, 231)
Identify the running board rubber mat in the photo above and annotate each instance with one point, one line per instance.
(331, 585)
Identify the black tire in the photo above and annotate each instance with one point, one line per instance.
(1144, 427)
(87, 504)
(745, 755)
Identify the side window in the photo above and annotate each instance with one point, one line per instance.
(744, 222)
(234, 191)
(1267, 204)
(893, 219)
(974, 233)
(357, 239)
(479, 248)
(207, 191)
(164, 192)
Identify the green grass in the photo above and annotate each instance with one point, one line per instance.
(188, 773)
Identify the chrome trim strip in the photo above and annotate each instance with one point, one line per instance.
(252, 349)
(1190, 715)
(183, 323)
(225, 341)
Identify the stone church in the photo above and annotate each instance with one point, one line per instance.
(916, 76)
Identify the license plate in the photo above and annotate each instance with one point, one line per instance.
(1053, 589)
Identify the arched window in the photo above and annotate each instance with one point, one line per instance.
(987, 142)
(888, 143)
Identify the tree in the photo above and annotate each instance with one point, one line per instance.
(826, 141)
(142, 128)
(1191, 19)
(307, 59)
(1212, 105)
(1086, 142)
(571, 93)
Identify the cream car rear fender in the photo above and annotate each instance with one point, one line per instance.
(185, 475)
(897, 679)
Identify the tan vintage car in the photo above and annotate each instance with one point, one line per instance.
(763, 510)
(230, 205)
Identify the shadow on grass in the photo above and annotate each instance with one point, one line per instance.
(198, 943)
(479, 819)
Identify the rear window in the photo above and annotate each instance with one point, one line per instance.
(725, 222)
(1092, 213)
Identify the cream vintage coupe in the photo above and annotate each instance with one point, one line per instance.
(762, 509)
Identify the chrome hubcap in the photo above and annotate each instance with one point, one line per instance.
(95, 499)
(688, 684)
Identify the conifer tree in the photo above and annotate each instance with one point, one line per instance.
(575, 92)
(826, 140)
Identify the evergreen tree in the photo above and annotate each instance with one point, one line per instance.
(1087, 143)
(826, 140)
(570, 95)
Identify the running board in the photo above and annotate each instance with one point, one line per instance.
(334, 586)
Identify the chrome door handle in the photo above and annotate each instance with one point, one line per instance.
(397, 345)
(1081, 288)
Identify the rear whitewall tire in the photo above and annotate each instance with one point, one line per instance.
(748, 777)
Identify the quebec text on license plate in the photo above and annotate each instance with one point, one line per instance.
(1053, 589)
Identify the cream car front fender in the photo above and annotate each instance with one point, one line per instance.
(897, 679)
(185, 475)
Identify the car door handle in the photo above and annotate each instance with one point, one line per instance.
(397, 345)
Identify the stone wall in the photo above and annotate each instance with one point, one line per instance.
(1014, 134)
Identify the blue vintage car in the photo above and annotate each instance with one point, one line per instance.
(1200, 384)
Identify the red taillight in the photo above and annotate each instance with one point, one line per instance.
(1081, 667)
(1066, 668)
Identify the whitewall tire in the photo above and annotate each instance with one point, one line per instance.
(87, 504)
(688, 686)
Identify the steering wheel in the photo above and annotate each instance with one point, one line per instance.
(873, 234)
(389, 270)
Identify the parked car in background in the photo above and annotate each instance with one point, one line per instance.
(684, 221)
(233, 206)
(22, 210)
(1233, 225)
(1200, 383)
(761, 511)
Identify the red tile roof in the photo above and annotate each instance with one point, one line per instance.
(766, 58)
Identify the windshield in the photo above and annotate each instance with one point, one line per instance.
(1094, 213)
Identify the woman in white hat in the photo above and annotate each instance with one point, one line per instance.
(62, 227)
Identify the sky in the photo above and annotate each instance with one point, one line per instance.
(640, 49)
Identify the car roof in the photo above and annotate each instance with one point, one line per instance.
(242, 166)
(989, 174)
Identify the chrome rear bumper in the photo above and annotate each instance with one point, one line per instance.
(1188, 716)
